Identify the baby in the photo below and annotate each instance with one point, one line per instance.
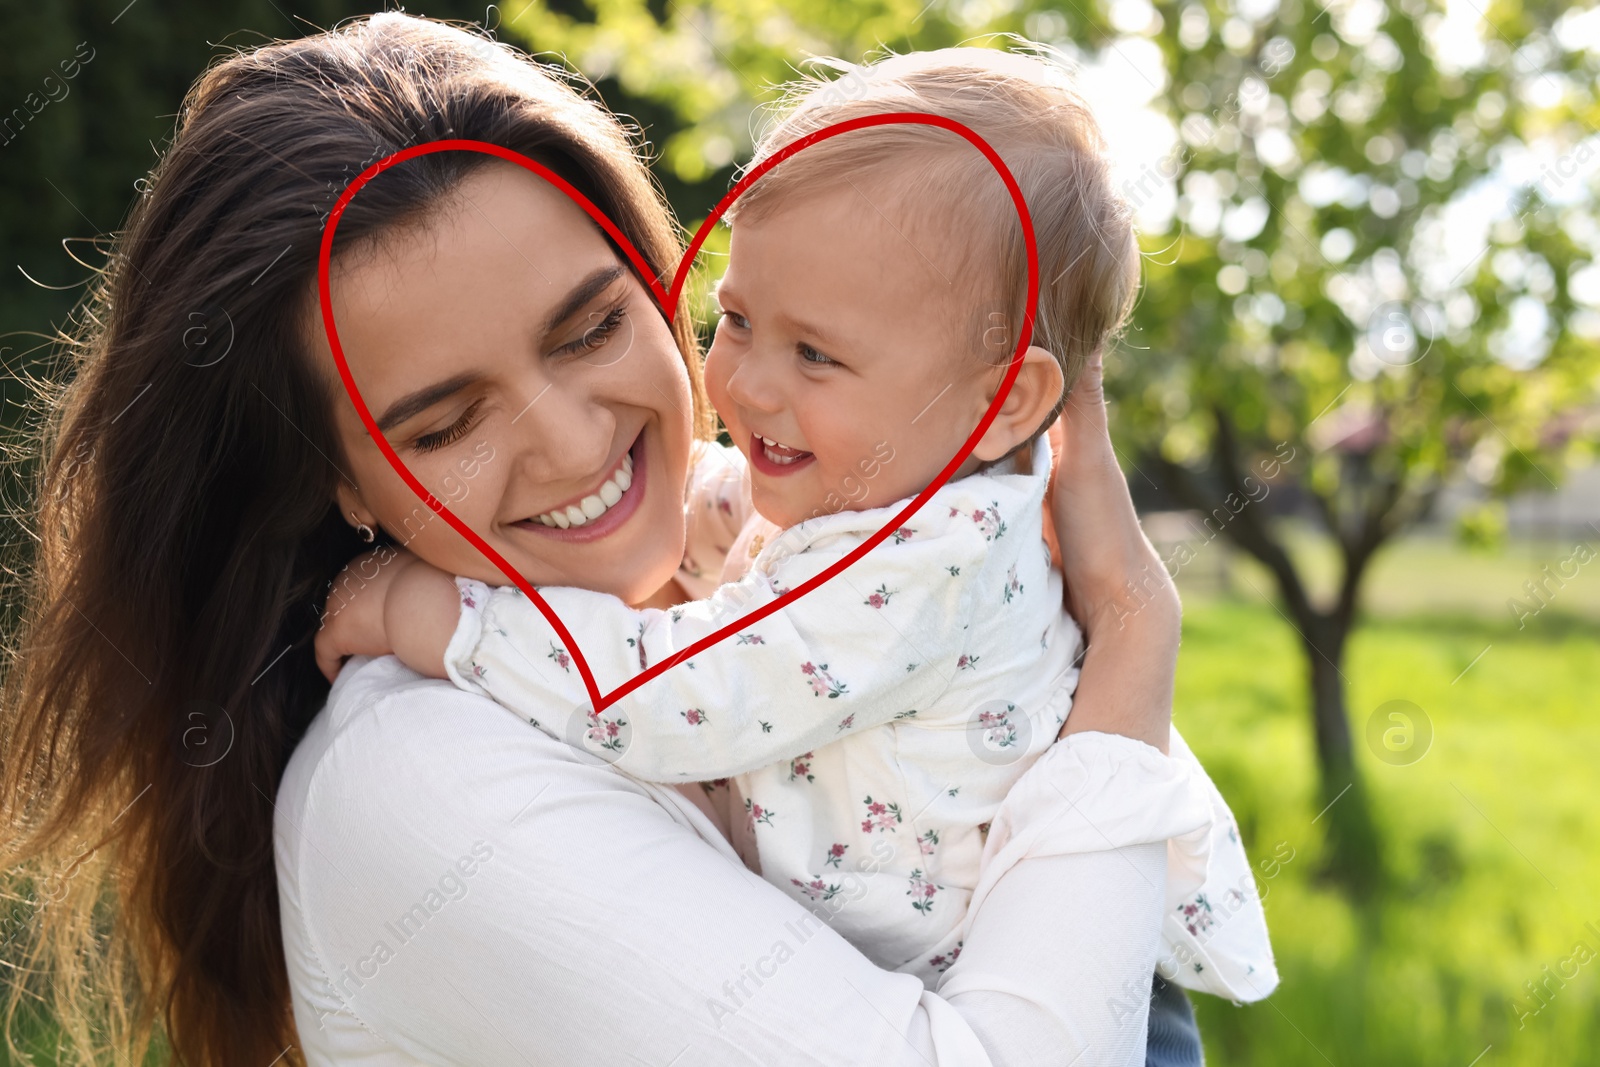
(865, 734)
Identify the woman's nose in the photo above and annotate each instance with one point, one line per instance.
(559, 434)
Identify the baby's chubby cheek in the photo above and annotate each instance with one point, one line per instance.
(718, 369)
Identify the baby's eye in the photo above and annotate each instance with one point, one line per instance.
(736, 319)
(811, 355)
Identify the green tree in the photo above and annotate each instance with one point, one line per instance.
(1328, 321)
(1310, 324)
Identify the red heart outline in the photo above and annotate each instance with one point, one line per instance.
(667, 300)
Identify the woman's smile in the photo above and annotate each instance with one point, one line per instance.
(601, 511)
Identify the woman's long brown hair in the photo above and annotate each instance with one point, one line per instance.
(184, 533)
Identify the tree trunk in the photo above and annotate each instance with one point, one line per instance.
(1324, 648)
(1354, 857)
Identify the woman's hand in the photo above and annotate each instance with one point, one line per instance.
(352, 619)
(1117, 586)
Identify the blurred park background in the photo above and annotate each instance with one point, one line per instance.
(1359, 407)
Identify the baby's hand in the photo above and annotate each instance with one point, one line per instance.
(389, 601)
(420, 615)
(353, 618)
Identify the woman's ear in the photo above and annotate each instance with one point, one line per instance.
(1033, 395)
(351, 507)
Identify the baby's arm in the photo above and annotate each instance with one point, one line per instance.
(881, 639)
(420, 613)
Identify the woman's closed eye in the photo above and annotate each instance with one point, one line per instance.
(432, 442)
(597, 335)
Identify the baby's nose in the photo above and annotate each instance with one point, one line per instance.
(753, 385)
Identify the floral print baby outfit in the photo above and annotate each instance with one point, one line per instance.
(865, 732)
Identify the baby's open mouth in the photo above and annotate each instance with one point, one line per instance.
(773, 452)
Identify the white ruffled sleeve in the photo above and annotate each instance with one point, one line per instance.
(1096, 792)
(1214, 938)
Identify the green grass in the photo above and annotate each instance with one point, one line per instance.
(1492, 838)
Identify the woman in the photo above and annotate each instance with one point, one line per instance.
(205, 480)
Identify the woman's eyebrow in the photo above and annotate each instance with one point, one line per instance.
(423, 399)
(581, 294)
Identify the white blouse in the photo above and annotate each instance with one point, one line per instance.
(457, 887)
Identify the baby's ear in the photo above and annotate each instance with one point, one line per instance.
(1032, 397)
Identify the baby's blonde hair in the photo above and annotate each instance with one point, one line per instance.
(1024, 104)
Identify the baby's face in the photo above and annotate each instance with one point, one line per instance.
(847, 363)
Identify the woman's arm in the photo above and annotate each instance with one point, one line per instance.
(1117, 586)
(597, 925)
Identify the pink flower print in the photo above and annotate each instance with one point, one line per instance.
(1013, 586)
(1197, 915)
(967, 663)
(880, 596)
(478, 669)
(605, 732)
(755, 813)
(724, 505)
(998, 729)
(921, 891)
(637, 643)
(559, 654)
(466, 598)
(983, 830)
(713, 785)
(694, 717)
(928, 842)
(835, 854)
(751, 639)
(987, 519)
(847, 722)
(880, 816)
(822, 683)
(816, 889)
(902, 535)
(941, 963)
(800, 767)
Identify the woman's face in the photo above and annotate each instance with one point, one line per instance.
(527, 379)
